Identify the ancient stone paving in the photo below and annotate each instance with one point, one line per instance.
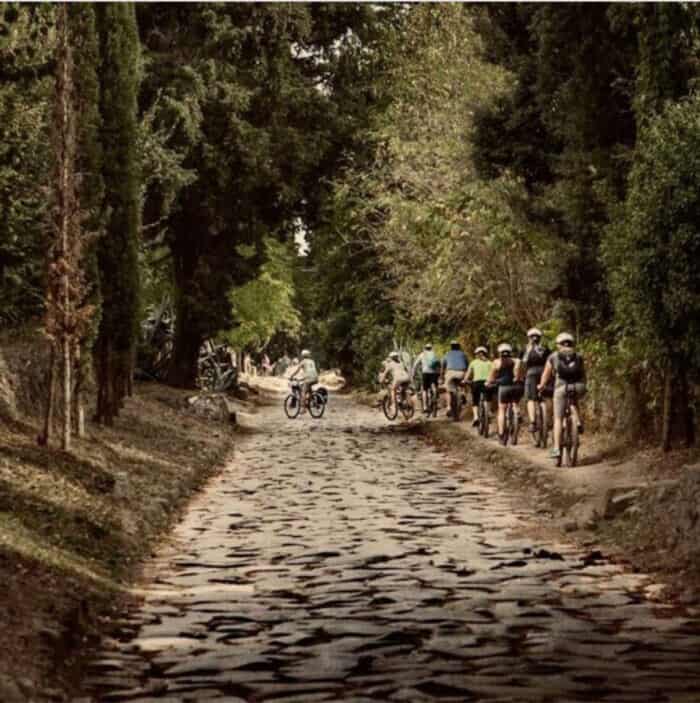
(347, 560)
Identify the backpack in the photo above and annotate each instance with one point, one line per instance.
(537, 357)
(570, 368)
(430, 362)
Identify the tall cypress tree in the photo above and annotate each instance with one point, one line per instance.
(118, 247)
(86, 53)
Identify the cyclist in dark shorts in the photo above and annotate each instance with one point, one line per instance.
(506, 373)
(430, 372)
(477, 374)
(534, 358)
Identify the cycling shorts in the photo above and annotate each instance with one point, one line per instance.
(430, 379)
(531, 388)
(478, 389)
(511, 394)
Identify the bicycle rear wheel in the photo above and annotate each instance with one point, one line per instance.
(317, 405)
(540, 429)
(407, 408)
(514, 426)
(573, 447)
(433, 399)
(390, 411)
(455, 405)
(566, 441)
(292, 406)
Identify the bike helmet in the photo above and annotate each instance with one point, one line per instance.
(481, 350)
(505, 349)
(534, 332)
(428, 347)
(454, 344)
(394, 355)
(565, 339)
(305, 354)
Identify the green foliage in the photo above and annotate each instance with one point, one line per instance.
(264, 306)
(26, 44)
(652, 249)
(118, 247)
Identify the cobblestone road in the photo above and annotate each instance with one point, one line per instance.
(346, 560)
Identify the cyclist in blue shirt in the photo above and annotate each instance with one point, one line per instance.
(454, 366)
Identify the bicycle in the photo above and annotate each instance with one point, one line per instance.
(315, 402)
(401, 402)
(512, 424)
(484, 413)
(569, 429)
(431, 408)
(541, 433)
(458, 399)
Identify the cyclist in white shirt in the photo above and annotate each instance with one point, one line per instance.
(307, 367)
(394, 371)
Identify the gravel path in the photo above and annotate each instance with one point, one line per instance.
(348, 560)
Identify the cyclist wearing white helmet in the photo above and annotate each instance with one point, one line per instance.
(309, 376)
(430, 372)
(565, 366)
(534, 358)
(506, 373)
(394, 372)
(477, 374)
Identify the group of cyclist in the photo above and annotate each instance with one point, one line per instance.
(538, 374)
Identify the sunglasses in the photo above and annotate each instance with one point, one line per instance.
(567, 344)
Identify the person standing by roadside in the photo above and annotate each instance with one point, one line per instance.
(534, 358)
(478, 373)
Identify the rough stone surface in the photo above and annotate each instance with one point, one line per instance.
(347, 560)
(8, 401)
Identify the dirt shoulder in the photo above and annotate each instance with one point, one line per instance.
(75, 528)
(638, 506)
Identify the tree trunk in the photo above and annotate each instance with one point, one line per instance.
(45, 435)
(78, 406)
(678, 420)
(186, 345)
(67, 388)
(666, 422)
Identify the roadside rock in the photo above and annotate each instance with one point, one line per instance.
(618, 500)
(214, 406)
(671, 512)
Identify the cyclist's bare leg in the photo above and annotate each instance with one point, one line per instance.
(557, 433)
(502, 418)
(532, 411)
(574, 415)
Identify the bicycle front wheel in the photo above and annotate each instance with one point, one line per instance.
(390, 411)
(317, 405)
(292, 406)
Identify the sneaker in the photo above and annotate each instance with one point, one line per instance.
(555, 454)
(475, 423)
(503, 439)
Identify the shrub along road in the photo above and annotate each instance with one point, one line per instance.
(347, 559)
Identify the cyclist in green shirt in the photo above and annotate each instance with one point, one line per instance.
(478, 373)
